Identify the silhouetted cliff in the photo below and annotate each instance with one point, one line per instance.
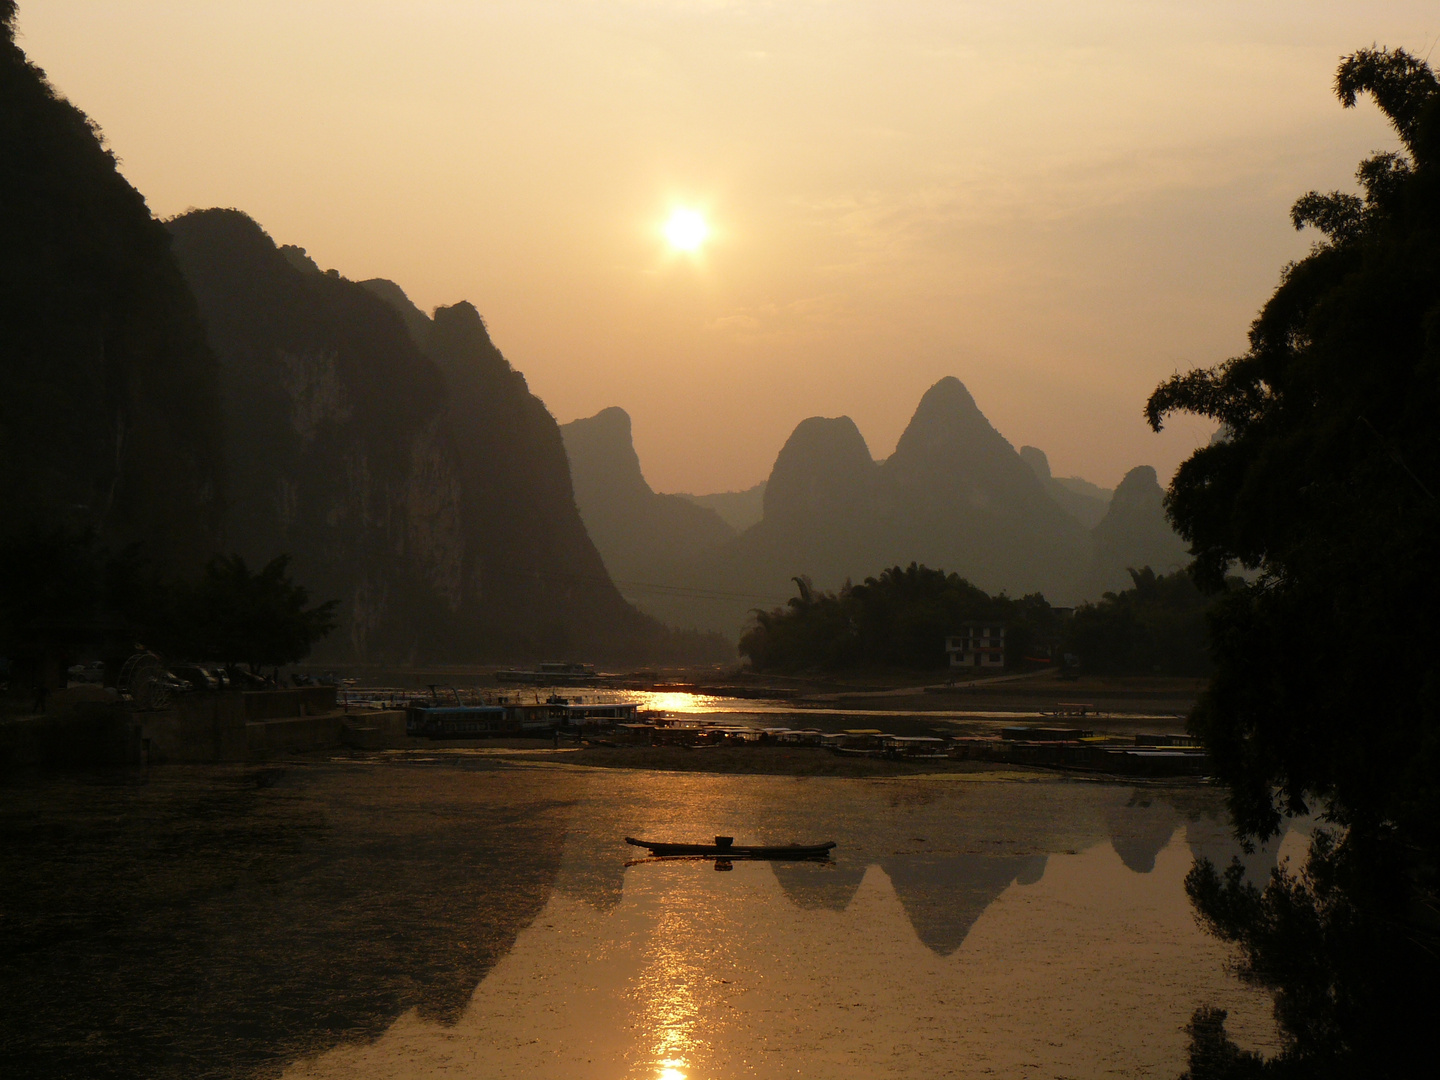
(532, 563)
(954, 494)
(957, 495)
(428, 493)
(109, 417)
(1135, 533)
(819, 502)
(642, 536)
(823, 476)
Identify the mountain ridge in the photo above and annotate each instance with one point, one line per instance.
(643, 536)
(418, 482)
(955, 494)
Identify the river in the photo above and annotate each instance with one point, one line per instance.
(418, 914)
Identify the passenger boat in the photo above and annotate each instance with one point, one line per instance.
(551, 675)
(726, 848)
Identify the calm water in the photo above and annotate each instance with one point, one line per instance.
(759, 712)
(419, 915)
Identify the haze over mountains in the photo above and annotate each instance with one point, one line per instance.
(954, 494)
(1086, 502)
(194, 389)
(738, 509)
(398, 457)
(638, 532)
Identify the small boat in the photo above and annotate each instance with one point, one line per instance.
(726, 848)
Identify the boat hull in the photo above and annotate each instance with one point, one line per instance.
(737, 851)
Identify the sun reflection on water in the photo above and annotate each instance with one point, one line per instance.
(671, 1009)
(670, 701)
(676, 993)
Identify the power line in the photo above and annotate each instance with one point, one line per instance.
(688, 592)
(378, 549)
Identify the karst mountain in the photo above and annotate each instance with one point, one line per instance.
(399, 458)
(954, 494)
(192, 388)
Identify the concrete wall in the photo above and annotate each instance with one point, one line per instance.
(266, 737)
(196, 728)
(90, 735)
(278, 704)
(202, 726)
(376, 730)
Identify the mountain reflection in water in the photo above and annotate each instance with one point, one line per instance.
(216, 922)
(423, 913)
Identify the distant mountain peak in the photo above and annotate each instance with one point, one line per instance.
(1038, 462)
(1135, 531)
(639, 532)
(463, 321)
(1139, 481)
(950, 394)
(945, 403)
(947, 423)
(603, 458)
(823, 468)
(300, 259)
(613, 421)
(416, 321)
(1084, 501)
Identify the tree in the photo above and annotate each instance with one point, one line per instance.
(1156, 626)
(64, 592)
(1326, 686)
(260, 620)
(898, 619)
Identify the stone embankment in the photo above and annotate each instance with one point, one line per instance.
(88, 727)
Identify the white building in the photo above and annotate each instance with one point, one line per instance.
(978, 645)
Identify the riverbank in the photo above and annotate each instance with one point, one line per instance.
(1116, 696)
(798, 761)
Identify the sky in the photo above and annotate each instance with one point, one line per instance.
(1060, 203)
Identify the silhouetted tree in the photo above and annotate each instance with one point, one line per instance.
(899, 619)
(1155, 627)
(66, 589)
(1326, 685)
(257, 619)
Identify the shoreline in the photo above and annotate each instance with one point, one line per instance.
(785, 761)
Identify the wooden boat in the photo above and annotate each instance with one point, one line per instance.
(726, 848)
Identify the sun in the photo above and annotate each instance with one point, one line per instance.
(686, 230)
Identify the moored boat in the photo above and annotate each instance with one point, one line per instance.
(552, 675)
(725, 847)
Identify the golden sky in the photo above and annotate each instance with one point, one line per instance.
(1058, 202)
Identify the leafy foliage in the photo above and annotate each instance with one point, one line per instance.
(1213, 1056)
(1326, 685)
(258, 619)
(1354, 983)
(1326, 487)
(1158, 626)
(88, 592)
(899, 619)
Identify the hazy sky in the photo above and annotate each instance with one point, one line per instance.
(1059, 203)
